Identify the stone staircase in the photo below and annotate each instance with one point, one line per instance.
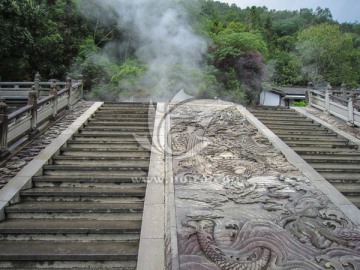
(85, 211)
(335, 158)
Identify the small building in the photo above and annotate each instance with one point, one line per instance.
(282, 95)
(272, 97)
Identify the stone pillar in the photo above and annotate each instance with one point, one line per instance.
(343, 91)
(351, 104)
(308, 94)
(69, 86)
(3, 130)
(37, 83)
(81, 81)
(53, 92)
(32, 101)
(328, 86)
(327, 97)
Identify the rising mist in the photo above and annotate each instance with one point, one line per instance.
(161, 37)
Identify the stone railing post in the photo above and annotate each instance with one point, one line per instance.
(69, 86)
(308, 94)
(327, 97)
(81, 81)
(53, 92)
(3, 129)
(351, 103)
(343, 91)
(32, 101)
(37, 83)
(327, 101)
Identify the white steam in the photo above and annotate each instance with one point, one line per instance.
(162, 38)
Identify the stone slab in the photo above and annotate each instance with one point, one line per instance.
(152, 237)
(240, 203)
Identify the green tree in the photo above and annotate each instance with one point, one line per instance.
(38, 35)
(287, 69)
(328, 54)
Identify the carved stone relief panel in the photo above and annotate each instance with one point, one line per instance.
(241, 205)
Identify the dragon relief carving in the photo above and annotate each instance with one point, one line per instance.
(204, 231)
(310, 218)
(257, 174)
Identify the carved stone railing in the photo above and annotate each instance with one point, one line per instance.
(343, 104)
(27, 120)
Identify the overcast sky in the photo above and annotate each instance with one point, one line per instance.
(342, 10)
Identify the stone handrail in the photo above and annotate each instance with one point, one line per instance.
(342, 104)
(27, 120)
(20, 90)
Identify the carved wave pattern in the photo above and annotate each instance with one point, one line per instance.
(299, 228)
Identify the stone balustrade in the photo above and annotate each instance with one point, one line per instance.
(344, 104)
(27, 120)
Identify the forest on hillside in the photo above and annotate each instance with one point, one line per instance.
(145, 49)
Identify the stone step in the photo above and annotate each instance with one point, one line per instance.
(100, 159)
(100, 162)
(340, 169)
(81, 236)
(297, 127)
(121, 118)
(67, 207)
(279, 118)
(355, 199)
(272, 111)
(284, 114)
(136, 191)
(127, 104)
(64, 265)
(96, 172)
(321, 137)
(113, 133)
(127, 135)
(83, 198)
(325, 140)
(348, 189)
(291, 119)
(117, 111)
(339, 176)
(335, 166)
(98, 123)
(109, 153)
(281, 122)
(322, 150)
(119, 131)
(90, 180)
(76, 216)
(106, 129)
(311, 139)
(122, 115)
(112, 139)
(101, 168)
(314, 143)
(314, 132)
(354, 158)
(73, 251)
(105, 145)
(135, 110)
